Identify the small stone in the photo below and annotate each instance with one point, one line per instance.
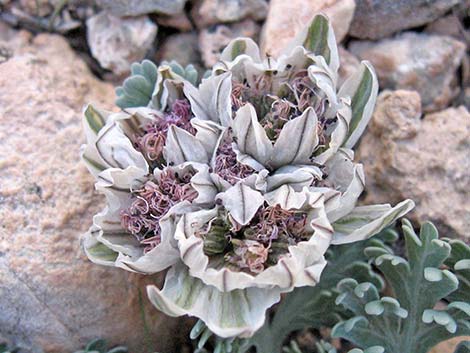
(37, 8)
(348, 65)
(214, 39)
(210, 12)
(287, 18)
(416, 61)
(447, 26)
(375, 19)
(11, 41)
(424, 159)
(138, 7)
(181, 47)
(118, 42)
(52, 298)
(181, 22)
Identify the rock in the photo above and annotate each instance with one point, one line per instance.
(348, 65)
(449, 345)
(210, 12)
(52, 298)
(287, 18)
(426, 160)
(465, 98)
(447, 26)
(421, 62)
(453, 26)
(214, 39)
(181, 47)
(11, 41)
(376, 19)
(37, 8)
(137, 7)
(181, 22)
(118, 42)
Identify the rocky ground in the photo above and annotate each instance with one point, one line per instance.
(57, 55)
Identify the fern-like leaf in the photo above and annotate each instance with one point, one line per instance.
(139, 89)
(409, 322)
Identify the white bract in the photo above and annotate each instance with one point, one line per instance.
(239, 185)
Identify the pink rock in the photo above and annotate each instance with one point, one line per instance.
(52, 297)
(424, 159)
(287, 18)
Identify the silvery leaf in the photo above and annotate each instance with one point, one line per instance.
(301, 266)
(203, 183)
(234, 58)
(366, 221)
(208, 133)
(183, 147)
(361, 88)
(297, 140)
(107, 231)
(295, 176)
(96, 251)
(242, 202)
(227, 314)
(115, 148)
(93, 122)
(319, 38)
(250, 136)
(321, 74)
(212, 99)
(346, 177)
(241, 46)
(340, 132)
(160, 94)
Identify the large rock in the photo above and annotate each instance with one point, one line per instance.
(210, 12)
(180, 22)
(139, 7)
(421, 62)
(118, 42)
(52, 298)
(287, 18)
(425, 159)
(348, 64)
(450, 26)
(376, 19)
(181, 47)
(214, 39)
(38, 8)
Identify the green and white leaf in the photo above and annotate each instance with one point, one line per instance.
(235, 313)
(361, 89)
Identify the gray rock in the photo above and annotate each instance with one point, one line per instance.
(118, 42)
(181, 47)
(348, 64)
(138, 7)
(181, 22)
(376, 19)
(214, 39)
(425, 63)
(424, 159)
(209, 12)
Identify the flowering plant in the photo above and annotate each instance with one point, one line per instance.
(239, 185)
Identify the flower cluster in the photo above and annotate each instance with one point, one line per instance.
(238, 185)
